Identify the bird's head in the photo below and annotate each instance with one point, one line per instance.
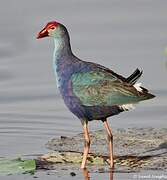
(52, 29)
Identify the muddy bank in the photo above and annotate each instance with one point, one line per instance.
(134, 149)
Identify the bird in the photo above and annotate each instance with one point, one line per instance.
(89, 90)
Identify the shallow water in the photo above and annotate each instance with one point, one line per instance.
(55, 175)
(122, 35)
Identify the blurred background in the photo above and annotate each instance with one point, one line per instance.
(121, 35)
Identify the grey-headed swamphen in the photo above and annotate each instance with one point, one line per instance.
(89, 90)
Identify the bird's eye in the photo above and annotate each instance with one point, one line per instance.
(51, 26)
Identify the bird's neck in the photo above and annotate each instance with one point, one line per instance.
(62, 48)
(62, 56)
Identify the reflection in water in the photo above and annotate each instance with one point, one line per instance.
(86, 174)
(111, 174)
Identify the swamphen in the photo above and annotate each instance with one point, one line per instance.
(89, 90)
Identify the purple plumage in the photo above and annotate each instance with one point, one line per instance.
(89, 90)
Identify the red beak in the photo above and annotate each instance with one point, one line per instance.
(43, 33)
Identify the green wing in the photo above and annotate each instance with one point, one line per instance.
(103, 89)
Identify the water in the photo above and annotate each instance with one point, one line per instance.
(121, 35)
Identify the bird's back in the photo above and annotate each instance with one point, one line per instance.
(92, 91)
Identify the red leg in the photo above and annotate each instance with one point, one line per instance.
(110, 139)
(87, 145)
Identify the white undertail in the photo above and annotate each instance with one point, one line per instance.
(127, 107)
(138, 87)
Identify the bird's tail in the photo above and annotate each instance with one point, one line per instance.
(144, 93)
(132, 79)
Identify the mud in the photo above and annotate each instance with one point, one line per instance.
(134, 149)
